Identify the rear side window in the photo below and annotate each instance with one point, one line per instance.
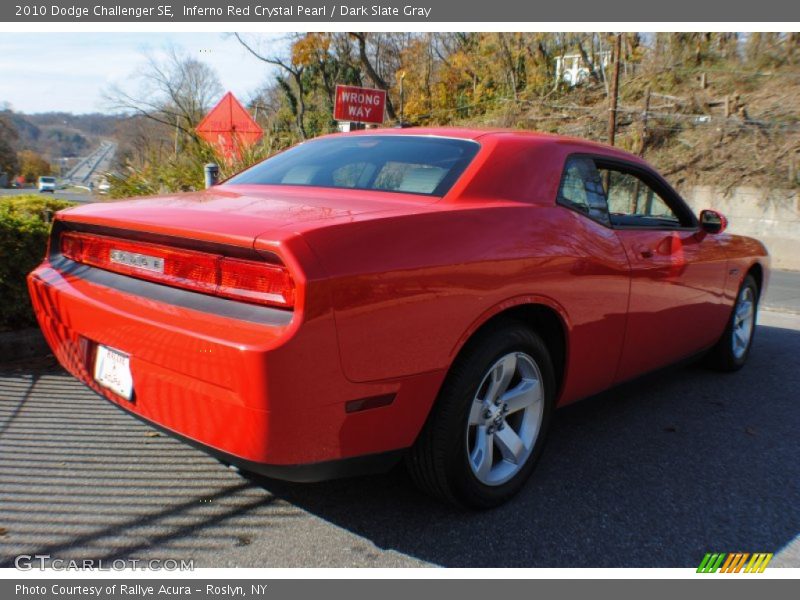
(391, 163)
(582, 189)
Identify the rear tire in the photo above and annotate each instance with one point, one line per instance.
(731, 351)
(488, 427)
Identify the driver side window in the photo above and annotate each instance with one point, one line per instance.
(633, 203)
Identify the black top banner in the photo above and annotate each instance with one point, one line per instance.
(414, 11)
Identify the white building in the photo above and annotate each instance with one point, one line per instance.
(571, 69)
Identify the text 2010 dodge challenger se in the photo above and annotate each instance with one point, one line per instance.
(432, 293)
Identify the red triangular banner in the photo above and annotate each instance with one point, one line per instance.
(229, 126)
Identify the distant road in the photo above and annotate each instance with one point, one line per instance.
(90, 168)
(60, 194)
(87, 172)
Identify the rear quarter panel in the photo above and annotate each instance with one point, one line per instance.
(408, 290)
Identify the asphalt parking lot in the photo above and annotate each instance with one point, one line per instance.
(653, 474)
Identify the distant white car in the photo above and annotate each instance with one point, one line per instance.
(103, 187)
(47, 184)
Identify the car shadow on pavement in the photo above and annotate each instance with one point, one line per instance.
(654, 473)
(81, 480)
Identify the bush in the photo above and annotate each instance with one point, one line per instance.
(24, 228)
(160, 174)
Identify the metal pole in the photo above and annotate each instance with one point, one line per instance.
(612, 111)
(402, 78)
(211, 171)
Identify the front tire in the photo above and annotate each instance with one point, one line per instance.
(488, 427)
(731, 351)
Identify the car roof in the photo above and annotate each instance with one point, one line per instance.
(538, 137)
(469, 133)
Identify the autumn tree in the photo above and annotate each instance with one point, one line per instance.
(9, 164)
(33, 166)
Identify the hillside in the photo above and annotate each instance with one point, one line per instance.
(57, 134)
(688, 133)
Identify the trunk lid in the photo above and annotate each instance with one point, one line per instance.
(238, 214)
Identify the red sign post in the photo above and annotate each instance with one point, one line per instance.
(359, 105)
(229, 127)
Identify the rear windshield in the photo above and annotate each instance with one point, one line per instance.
(47, 179)
(390, 163)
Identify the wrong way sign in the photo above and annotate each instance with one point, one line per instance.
(359, 105)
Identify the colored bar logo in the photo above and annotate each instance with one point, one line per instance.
(734, 562)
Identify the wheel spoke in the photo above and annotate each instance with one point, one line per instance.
(743, 311)
(483, 452)
(509, 443)
(476, 412)
(501, 377)
(526, 394)
(509, 366)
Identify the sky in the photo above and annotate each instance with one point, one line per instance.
(43, 72)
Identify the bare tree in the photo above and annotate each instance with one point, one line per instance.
(176, 91)
(295, 73)
(371, 70)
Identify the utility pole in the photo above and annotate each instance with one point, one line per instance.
(402, 77)
(644, 121)
(612, 111)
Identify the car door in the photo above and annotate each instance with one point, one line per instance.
(595, 289)
(678, 273)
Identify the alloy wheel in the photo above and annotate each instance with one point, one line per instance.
(505, 418)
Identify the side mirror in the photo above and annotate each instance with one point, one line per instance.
(713, 222)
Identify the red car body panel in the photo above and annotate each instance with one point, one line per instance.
(389, 288)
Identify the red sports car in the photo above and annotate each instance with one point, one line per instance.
(431, 294)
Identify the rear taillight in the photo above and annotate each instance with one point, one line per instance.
(239, 279)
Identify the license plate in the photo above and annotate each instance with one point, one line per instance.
(112, 370)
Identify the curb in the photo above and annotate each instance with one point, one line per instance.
(23, 343)
(780, 309)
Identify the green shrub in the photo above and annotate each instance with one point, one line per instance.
(24, 228)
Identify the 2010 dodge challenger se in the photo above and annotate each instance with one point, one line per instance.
(431, 294)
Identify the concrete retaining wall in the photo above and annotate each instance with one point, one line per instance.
(770, 216)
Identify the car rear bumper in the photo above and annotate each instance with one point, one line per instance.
(267, 396)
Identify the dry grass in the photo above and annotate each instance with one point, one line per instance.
(689, 136)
